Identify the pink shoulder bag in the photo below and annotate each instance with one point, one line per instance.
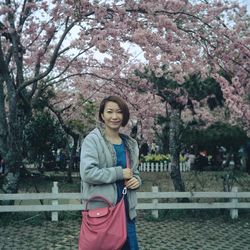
(104, 228)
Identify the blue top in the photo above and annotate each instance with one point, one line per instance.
(120, 154)
(121, 161)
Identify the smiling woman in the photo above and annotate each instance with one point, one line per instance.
(106, 155)
(116, 103)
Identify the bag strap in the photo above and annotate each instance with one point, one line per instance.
(124, 191)
(127, 160)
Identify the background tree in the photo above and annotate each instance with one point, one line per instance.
(36, 53)
(43, 135)
(77, 118)
(176, 98)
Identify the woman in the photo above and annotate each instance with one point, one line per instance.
(103, 163)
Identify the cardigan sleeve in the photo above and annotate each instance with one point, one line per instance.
(90, 169)
(135, 163)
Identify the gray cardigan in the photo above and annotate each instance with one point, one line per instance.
(99, 172)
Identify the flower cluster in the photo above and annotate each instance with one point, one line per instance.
(160, 158)
(155, 158)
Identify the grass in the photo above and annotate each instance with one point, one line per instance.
(41, 184)
(194, 181)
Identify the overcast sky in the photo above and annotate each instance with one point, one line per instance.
(246, 2)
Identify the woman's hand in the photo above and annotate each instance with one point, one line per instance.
(132, 183)
(127, 173)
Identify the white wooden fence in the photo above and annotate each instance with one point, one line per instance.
(198, 200)
(162, 166)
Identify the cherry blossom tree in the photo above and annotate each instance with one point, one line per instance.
(42, 44)
(180, 38)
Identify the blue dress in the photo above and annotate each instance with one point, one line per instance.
(131, 242)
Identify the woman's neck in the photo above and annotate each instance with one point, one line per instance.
(112, 136)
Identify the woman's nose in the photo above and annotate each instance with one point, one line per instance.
(114, 115)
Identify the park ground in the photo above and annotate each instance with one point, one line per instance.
(182, 229)
(197, 232)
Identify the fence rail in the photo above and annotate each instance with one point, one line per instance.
(233, 201)
(162, 166)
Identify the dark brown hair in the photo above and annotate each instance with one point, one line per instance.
(122, 105)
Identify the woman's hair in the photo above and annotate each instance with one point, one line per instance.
(122, 105)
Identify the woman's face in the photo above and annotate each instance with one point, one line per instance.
(112, 116)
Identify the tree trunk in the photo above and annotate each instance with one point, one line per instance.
(13, 158)
(174, 148)
(3, 121)
(11, 144)
(248, 162)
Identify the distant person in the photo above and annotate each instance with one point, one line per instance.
(153, 148)
(248, 157)
(190, 157)
(2, 166)
(58, 158)
(144, 149)
(201, 161)
(63, 158)
(103, 163)
(76, 159)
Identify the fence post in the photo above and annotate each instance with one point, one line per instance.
(157, 167)
(152, 167)
(155, 212)
(234, 211)
(161, 166)
(54, 215)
